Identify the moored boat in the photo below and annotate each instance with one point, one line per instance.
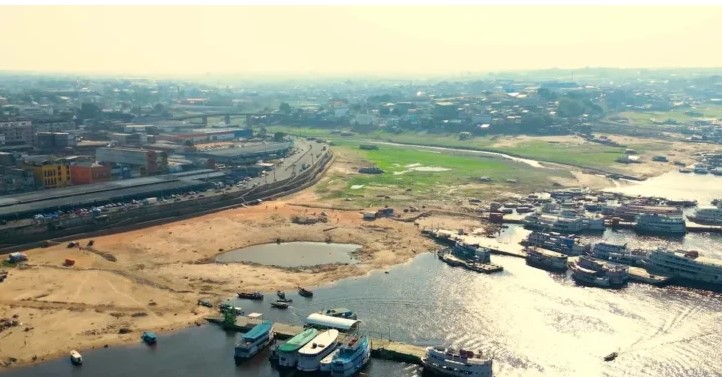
(353, 356)
(252, 342)
(305, 292)
(462, 363)
(251, 295)
(149, 337)
(310, 355)
(280, 294)
(653, 223)
(339, 313)
(76, 358)
(325, 366)
(586, 276)
(707, 215)
(687, 265)
(288, 352)
(279, 305)
(546, 259)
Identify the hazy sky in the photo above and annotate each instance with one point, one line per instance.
(347, 40)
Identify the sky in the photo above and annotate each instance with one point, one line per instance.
(351, 40)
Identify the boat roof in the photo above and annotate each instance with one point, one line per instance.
(549, 253)
(298, 341)
(319, 343)
(327, 321)
(258, 330)
(338, 310)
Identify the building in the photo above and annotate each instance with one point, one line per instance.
(54, 140)
(17, 132)
(83, 173)
(53, 125)
(134, 139)
(15, 180)
(49, 172)
(147, 162)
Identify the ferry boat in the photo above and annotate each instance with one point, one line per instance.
(660, 224)
(587, 276)
(310, 355)
(288, 352)
(618, 254)
(618, 275)
(707, 215)
(687, 265)
(469, 251)
(565, 244)
(629, 212)
(353, 356)
(566, 222)
(462, 363)
(339, 313)
(76, 358)
(252, 342)
(546, 259)
(325, 366)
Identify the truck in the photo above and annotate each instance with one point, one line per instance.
(149, 201)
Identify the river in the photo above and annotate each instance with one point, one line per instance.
(531, 322)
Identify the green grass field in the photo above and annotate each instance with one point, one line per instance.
(399, 175)
(587, 155)
(649, 117)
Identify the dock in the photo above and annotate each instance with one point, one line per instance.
(453, 261)
(493, 244)
(380, 348)
(641, 275)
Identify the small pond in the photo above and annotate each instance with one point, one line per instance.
(292, 254)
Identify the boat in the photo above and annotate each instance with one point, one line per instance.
(618, 254)
(288, 352)
(304, 292)
(353, 356)
(629, 212)
(286, 300)
(700, 170)
(685, 170)
(339, 313)
(462, 363)
(76, 358)
(255, 340)
(618, 275)
(653, 223)
(471, 251)
(279, 305)
(711, 215)
(686, 265)
(546, 259)
(611, 356)
(682, 203)
(149, 337)
(325, 366)
(587, 276)
(310, 355)
(565, 244)
(280, 295)
(251, 295)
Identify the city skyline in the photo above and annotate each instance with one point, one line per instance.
(325, 40)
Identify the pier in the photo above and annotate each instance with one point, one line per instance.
(494, 246)
(380, 348)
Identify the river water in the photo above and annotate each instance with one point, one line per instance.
(531, 322)
(676, 186)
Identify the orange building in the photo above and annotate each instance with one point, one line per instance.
(84, 173)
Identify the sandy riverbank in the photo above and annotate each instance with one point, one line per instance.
(162, 271)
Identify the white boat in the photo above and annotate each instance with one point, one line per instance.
(687, 265)
(618, 253)
(707, 215)
(288, 352)
(660, 224)
(76, 358)
(252, 342)
(353, 355)
(588, 276)
(310, 355)
(546, 259)
(326, 362)
(449, 362)
(565, 244)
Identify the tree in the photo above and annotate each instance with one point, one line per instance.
(89, 111)
(279, 136)
(384, 111)
(229, 317)
(569, 107)
(546, 94)
(284, 107)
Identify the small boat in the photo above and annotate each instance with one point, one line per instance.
(611, 356)
(325, 365)
(280, 305)
(149, 337)
(251, 295)
(339, 313)
(76, 358)
(305, 292)
(287, 300)
(280, 295)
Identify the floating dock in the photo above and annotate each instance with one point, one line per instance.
(493, 244)
(380, 348)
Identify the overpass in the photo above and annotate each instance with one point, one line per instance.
(227, 115)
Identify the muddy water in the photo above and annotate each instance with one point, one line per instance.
(292, 254)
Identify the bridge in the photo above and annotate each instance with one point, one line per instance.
(227, 116)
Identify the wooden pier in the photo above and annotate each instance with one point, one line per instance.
(380, 348)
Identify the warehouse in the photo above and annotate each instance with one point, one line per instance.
(248, 154)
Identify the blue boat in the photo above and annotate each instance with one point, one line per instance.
(353, 356)
(149, 337)
(255, 340)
